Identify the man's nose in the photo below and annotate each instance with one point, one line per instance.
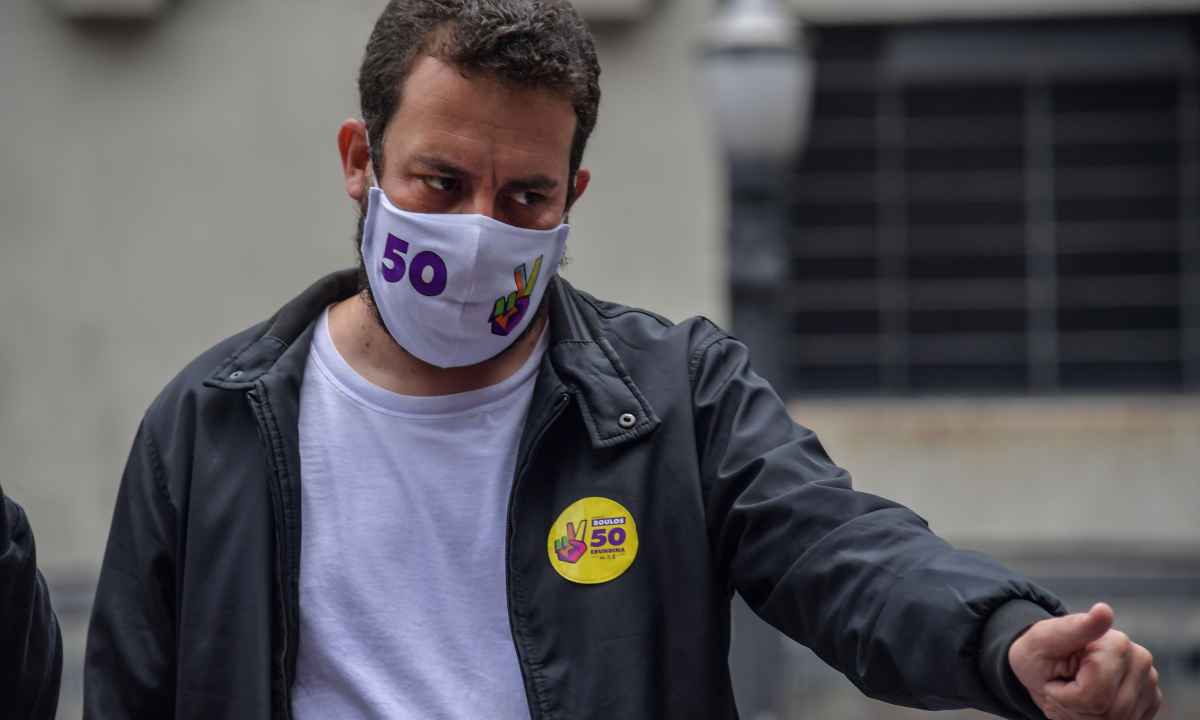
(482, 203)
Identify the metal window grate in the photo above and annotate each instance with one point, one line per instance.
(1000, 207)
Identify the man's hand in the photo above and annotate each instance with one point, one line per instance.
(1078, 668)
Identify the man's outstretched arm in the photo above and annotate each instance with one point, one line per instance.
(859, 579)
(30, 639)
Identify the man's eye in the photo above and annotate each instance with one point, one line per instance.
(528, 199)
(441, 184)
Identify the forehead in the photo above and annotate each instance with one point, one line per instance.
(477, 118)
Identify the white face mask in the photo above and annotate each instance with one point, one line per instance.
(455, 290)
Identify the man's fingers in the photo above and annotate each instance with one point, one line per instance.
(1139, 692)
(1054, 711)
(1150, 696)
(1102, 674)
(1116, 680)
(1156, 706)
(1065, 694)
(1149, 704)
(1132, 699)
(1063, 636)
(1067, 667)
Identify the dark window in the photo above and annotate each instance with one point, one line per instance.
(998, 207)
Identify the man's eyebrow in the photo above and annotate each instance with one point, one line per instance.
(542, 183)
(438, 164)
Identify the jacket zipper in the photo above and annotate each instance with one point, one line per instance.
(281, 541)
(555, 412)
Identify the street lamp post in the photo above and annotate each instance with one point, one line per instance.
(759, 78)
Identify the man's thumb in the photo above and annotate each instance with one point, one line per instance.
(1072, 633)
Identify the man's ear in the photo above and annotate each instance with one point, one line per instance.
(583, 178)
(352, 146)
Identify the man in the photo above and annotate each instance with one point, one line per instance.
(30, 639)
(451, 485)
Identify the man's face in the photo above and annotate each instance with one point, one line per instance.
(475, 145)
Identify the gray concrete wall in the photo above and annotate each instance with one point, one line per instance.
(164, 185)
(994, 472)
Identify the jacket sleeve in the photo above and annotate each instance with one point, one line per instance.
(129, 670)
(860, 580)
(30, 639)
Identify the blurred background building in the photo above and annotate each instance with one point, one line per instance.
(974, 270)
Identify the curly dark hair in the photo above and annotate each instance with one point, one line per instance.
(528, 43)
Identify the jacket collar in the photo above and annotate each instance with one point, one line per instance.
(614, 410)
(580, 359)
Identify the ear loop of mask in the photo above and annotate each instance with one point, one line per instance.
(370, 157)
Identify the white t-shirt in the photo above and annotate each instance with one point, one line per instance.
(403, 607)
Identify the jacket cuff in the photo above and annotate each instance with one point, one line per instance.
(1005, 625)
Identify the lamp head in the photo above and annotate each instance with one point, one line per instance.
(759, 81)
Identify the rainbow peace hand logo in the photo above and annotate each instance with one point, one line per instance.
(570, 548)
(510, 309)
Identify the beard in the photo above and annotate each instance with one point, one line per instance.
(364, 284)
(368, 297)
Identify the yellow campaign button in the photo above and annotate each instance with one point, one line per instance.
(593, 541)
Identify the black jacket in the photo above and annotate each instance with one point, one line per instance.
(30, 639)
(196, 611)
